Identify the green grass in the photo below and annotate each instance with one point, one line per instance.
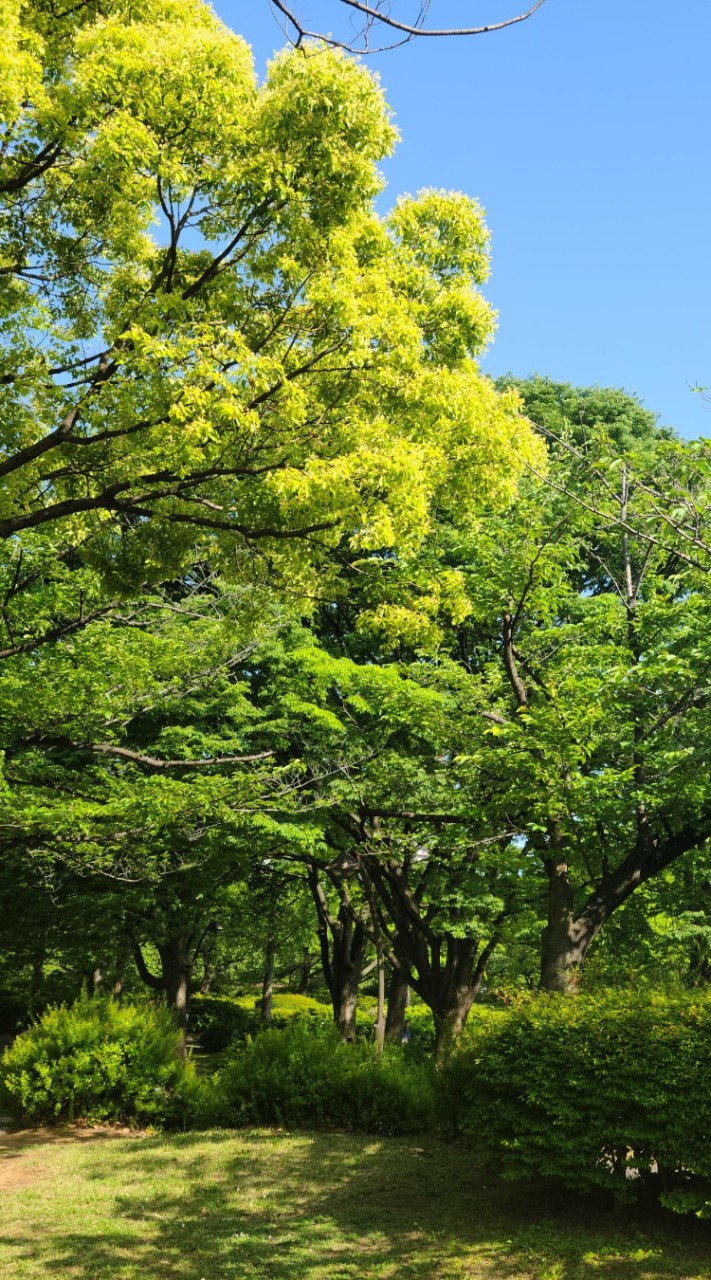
(270, 1206)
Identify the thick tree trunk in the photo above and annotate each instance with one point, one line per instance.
(345, 1010)
(453, 1001)
(450, 1022)
(445, 970)
(343, 942)
(398, 1000)
(175, 966)
(562, 949)
(349, 949)
(567, 936)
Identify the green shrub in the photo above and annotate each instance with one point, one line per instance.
(421, 1028)
(96, 1060)
(197, 1101)
(287, 1005)
(612, 1090)
(218, 1020)
(305, 1076)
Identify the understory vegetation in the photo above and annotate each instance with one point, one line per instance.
(608, 1094)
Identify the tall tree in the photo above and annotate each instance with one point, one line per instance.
(207, 331)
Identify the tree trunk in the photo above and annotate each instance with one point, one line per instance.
(345, 1008)
(450, 1023)
(175, 966)
(268, 982)
(94, 980)
(398, 1000)
(567, 937)
(305, 973)
(343, 942)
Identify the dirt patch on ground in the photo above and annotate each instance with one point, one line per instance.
(15, 1172)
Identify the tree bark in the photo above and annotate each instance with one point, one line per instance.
(343, 942)
(174, 978)
(176, 969)
(568, 935)
(445, 971)
(398, 1000)
(305, 973)
(268, 982)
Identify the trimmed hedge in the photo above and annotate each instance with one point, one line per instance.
(611, 1090)
(218, 1020)
(97, 1060)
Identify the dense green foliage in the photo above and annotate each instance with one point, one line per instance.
(306, 1076)
(217, 1020)
(98, 1060)
(609, 1091)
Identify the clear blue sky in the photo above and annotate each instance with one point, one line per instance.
(585, 134)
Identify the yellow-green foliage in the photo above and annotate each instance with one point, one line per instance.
(98, 1060)
(217, 1020)
(174, 191)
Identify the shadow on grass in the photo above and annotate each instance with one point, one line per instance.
(335, 1207)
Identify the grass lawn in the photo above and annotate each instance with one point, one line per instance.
(272, 1206)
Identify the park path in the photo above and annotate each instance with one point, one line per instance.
(16, 1145)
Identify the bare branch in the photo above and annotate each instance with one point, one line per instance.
(376, 17)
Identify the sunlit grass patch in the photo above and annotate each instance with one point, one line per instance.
(276, 1206)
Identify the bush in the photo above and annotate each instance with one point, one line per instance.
(421, 1027)
(218, 1020)
(305, 1076)
(597, 1091)
(96, 1060)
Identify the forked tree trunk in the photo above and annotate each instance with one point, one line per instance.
(174, 979)
(451, 1001)
(343, 942)
(445, 970)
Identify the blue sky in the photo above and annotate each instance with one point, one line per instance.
(584, 133)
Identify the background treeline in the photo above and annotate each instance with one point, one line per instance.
(404, 793)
